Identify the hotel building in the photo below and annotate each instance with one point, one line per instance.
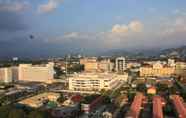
(37, 73)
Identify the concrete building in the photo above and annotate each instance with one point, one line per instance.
(90, 64)
(5, 75)
(120, 65)
(37, 73)
(156, 70)
(105, 66)
(15, 73)
(171, 63)
(94, 81)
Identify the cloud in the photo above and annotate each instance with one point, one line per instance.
(136, 26)
(133, 26)
(71, 35)
(120, 29)
(50, 6)
(14, 6)
(175, 26)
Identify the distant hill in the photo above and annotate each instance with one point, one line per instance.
(174, 52)
(170, 52)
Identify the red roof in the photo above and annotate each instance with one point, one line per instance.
(136, 106)
(157, 107)
(179, 104)
(76, 98)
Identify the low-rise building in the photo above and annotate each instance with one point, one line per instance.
(157, 70)
(38, 100)
(94, 81)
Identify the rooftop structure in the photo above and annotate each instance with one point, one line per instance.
(136, 106)
(179, 105)
(158, 104)
(38, 100)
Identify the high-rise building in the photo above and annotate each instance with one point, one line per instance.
(90, 64)
(120, 65)
(5, 75)
(37, 73)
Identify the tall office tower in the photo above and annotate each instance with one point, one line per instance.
(5, 75)
(120, 64)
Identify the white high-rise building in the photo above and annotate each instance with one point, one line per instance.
(5, 75)
(120, 64)
(37, 73)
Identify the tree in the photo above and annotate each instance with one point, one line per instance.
(141, 87)
(16, 113)
(36, 114)
(162, 87)
(61, 98)
(4, 111)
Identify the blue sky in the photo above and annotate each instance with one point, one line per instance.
(63, 26)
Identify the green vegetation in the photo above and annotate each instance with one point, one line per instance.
(61, 98)
(10, 111)
(161, 87)
(141, 87)
(75, 68)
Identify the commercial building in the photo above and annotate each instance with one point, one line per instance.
(92, 64)
(156, 70)
(120, 65)
(95, 81)
(37, 73)
(105, 66)
(5, 75)
(38, 100)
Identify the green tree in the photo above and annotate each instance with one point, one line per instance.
(16, 113)
(141, 87)
(36, 114)
(4, 111)
(61, 98)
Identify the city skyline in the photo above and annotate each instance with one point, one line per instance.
(33, 28)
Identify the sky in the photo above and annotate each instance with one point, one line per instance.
(42, 28)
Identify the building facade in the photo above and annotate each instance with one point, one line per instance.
(157, 70)
(120, 65)
(5, 75)
(93, 81)
(39, 73)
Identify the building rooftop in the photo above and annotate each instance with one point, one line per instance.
(158, 104)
